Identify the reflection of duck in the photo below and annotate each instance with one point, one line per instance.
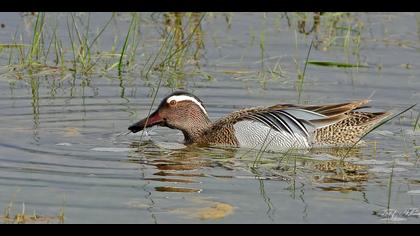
(183, 170)
(340, 176)
(180, 166)
(278, 127)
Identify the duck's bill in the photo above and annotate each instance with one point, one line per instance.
(154, 119)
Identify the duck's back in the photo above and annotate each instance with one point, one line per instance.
(286, 126)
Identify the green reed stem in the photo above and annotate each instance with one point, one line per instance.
(390, 187)
(263, 148)
(301, 78)
(151, 106)
(124, 48)
(101, 31)
(72, 47)
(36, 39)
(416, 123)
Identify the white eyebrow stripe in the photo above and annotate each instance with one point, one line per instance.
(179, 98)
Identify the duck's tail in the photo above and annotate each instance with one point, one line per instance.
(349, 130)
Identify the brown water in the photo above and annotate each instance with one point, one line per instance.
(62, 142)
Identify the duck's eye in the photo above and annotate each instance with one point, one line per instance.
(172, 103)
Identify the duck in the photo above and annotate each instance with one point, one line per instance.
(276, 128)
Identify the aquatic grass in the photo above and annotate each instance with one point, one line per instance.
(81, 47)
(294, 177)
(59, 51)
(83, 51)
(199, 39)
(406, 150)
(174, 58)
(7, 211)
(261, 75)
(35, 51)
(12, 46)
(389, 192)
(294, 164)
(151, 107)
(135, 41)
(336, 64)
(254, 170)
(85, 59)
(35, 106)
(21, 53)
(228, 19)
(331, 20)
(337, 29)
(352, 41)
(182, 46)
(131, 28)
(301, 75)
(262, 43)
(416, 123)
(149, 67)
(152, 65)
(173, 54)
(84, 56)
(262, 149)
(270, 206)
(249, 45)
(356, 50)
(61, 213)
(346, 43)
(95, 39)
(47, 48)
(24, 218)
(277, 71)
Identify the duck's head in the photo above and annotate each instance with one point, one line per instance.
(179, 110)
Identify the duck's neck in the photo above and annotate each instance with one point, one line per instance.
(195, 131)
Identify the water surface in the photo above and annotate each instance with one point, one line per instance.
(63, 146)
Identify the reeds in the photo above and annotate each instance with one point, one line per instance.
(132, 30)
(389, 193)
(416, 125)
(37, 40)
(79, 51)
(23, 217)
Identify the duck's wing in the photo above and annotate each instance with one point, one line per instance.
(320, 116)
(284, 121)
(328, 109)
(293, 119)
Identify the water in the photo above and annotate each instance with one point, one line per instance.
(64, 147)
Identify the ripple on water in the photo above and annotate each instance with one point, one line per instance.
(107, 149)
(414, 192)
(372, 162)
(387, 170)
(64, 144)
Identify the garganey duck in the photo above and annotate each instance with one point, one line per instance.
(277, 127)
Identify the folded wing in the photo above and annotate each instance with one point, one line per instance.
(294, 119)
